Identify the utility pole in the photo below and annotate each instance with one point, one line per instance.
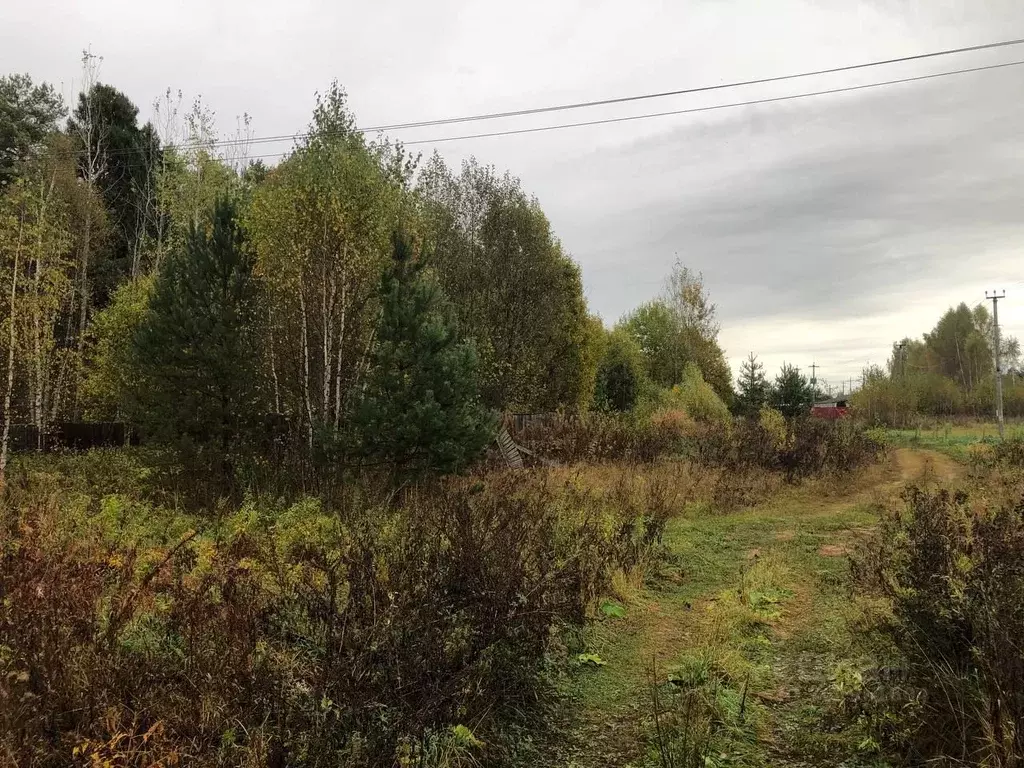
(814, 382)
(995, 297)
(901, 360)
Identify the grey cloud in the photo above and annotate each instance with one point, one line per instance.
(846, 203)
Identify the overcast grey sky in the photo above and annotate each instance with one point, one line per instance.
(825, 227)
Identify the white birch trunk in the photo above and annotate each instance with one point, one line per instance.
(305, 366)
(273, 362)
(5, 440)
(341, 348)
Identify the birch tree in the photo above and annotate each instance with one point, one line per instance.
(190, 179)
(92, 152)
(12, 243)
(321, 223)
(35, 248)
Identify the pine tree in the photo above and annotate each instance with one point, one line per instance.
(753, 387)
(421, 408)
(791, 394)
(195, 350)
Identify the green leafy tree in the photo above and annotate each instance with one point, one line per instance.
(28, 114)
(653, 325)
(421, 408)
(620, 374)
(36, 239)
(752, 388)
(690, 302)
(196, 349)
(791, 394)
(109, 375)
(674, 334)
(518, 295)
(959, 349)
(699, 399)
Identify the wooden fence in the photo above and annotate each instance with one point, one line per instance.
(72, 435)
(517, 422)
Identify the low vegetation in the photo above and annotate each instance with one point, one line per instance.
(298, 633)
(948, 562)
(373, 625)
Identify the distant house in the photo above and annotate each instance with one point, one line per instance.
(830, 409)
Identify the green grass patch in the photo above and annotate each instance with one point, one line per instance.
(734, 662)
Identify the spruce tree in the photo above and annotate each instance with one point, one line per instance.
(421, 409)
(196, 349)
(792, 394)
(753, 387)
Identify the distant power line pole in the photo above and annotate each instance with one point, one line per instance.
(901, 359)
(814, 379)
(995, 297)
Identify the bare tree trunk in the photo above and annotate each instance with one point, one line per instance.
(959, 360)
(325, 339)
(341, 347)
(364, 360)
(159, 217)
(273, 362)
(37, 336)
(5, 440)
(89, 132)
(83, 291)
(305, 366)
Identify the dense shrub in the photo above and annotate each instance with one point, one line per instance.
(381, 630)
(605, 437)
(698, 399)
(803, 448)
(954, 574)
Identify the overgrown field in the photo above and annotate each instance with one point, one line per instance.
(668, 595)
(758, 644)
(433, 623)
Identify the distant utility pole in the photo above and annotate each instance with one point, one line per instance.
(901, 360)
(814, 378)
(995, 297)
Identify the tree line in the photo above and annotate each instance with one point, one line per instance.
(364, 301)
(949, 371)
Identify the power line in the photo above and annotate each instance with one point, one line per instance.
(699, 89)
(675, 112)
(622, 99)
(693, 110)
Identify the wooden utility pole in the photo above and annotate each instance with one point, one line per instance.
(995, 297)
(901, 360)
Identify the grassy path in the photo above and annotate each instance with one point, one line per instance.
(753, 612)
